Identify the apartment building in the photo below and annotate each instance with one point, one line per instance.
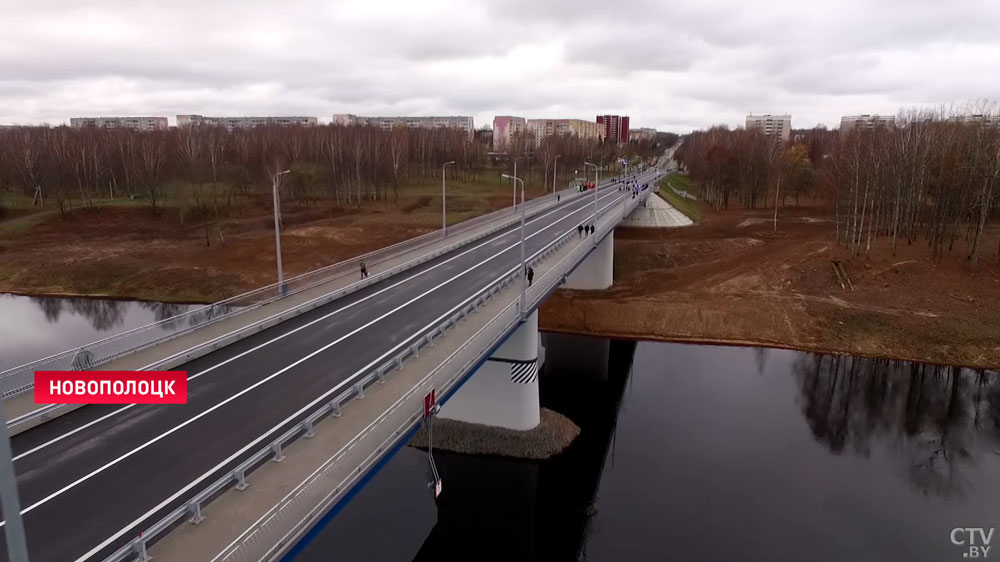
(779, 126)
(461, 122)
(615, 128)
(987, 120)
(504, 129)
(541, 128)
(643, 133)
(133, 123)
(868, 122)
(231, 123)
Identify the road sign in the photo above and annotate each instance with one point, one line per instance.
(430, 400)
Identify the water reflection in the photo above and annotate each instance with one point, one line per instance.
(937, 418)
(36, 327)
(707, 453)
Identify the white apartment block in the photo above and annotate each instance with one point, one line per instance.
(231, 123)
(772, 125)
(461, 122)
(866, 121)
(134, 123)
(987, 120)
(644, 133)
(541, 128)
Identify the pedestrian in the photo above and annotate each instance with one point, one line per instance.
(579, 230)
(364, 270)
(531, 275)
(558, 196)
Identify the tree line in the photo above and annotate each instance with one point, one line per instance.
(335, 164)
(931, 177)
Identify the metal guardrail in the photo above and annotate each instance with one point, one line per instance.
(21, 378)
(266, 529)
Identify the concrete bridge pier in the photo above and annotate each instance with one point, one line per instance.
(596, 271)
(503, 392)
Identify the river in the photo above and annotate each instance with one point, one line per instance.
(687, 452)
(692, 452)
(36, 327)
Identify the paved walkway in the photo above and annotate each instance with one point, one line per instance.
(657, 214)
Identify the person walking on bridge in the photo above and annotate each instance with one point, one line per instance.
(531, 275)
(579, 230)
(364, 270)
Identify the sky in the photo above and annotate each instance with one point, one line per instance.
(674, 66)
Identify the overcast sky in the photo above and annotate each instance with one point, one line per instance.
(670, 65)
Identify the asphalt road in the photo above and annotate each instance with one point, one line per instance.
(89, 481)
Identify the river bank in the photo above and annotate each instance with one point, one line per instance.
(729, 279)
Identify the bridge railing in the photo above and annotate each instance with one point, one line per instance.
(21, 378)
(297, 509)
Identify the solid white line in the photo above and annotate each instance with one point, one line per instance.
(290, 332)
(290, 418)
(262, 381)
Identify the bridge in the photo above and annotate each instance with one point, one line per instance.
(297, 393)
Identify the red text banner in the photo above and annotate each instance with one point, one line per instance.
(110, 387)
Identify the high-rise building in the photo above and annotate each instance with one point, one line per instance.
(504, 129)
(134, 123)
(231, 123)
(615, 128)
(779, 126)
(849, 122)
(541, 128)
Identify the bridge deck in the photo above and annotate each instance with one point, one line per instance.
(92, 479)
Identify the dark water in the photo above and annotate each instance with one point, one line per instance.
(36, 327)
(707, 453)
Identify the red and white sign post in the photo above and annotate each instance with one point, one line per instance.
(431, 408)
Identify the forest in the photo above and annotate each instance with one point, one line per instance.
(934, 177)
(205, 168)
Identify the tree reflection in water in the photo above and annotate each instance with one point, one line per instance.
(936, 419)
(103, 314)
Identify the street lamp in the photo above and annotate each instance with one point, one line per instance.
(277, 231)
(515, 177)
(554, 163)
(597, 181)
(17, 546)
(524, 265)
(444, 219)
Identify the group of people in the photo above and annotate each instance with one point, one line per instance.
(584, 229)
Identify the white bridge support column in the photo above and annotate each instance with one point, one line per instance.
(503, 392)
(597, 270)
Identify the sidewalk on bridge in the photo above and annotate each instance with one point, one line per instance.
(657, 214)
(283, 309)
(235, 511)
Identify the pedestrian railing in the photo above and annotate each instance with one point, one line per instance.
(299, 509)
(21, 378)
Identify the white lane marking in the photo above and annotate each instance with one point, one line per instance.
(264, 380)
(286, 334)
(290, 418)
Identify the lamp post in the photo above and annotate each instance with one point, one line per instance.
(524, 265)
(444, 208)
(277, 231)
(597, 181)
(515, 177)
(17, 546)
(554, 164)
